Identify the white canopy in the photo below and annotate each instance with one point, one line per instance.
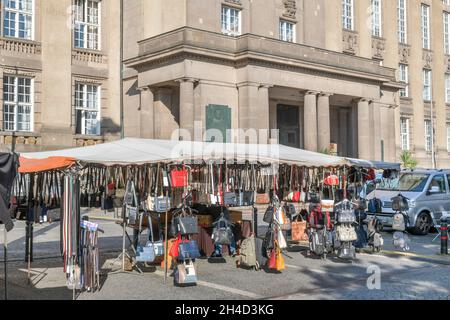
(133, 151)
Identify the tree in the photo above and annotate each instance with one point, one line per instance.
(408, 161)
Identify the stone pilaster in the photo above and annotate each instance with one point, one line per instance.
(323, 121)
(310, 120)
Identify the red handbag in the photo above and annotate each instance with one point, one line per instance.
(179, 178)
(272, 263)
(331, 180)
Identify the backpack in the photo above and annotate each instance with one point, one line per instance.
(248, 253)
(375, 205)
(399, 223)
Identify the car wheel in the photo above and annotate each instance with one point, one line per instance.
(423, 224)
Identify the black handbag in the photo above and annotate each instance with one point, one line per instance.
(289, 209)
(245, 198)
(269, 240)
(84, 200)
(229, 199)
(268, 215)
(107, 203)
(187, 224)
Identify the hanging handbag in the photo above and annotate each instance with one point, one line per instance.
(272, 262)
(298, 230)
(188, 250)
(158, 203)
(229, 199)
(131, 213)
(268, 215)
(174, 251)
(187, 224)
(262, 198)
(146, 253)
(280, 265)
(222, 233)
(281, 240)
(269, 239)
(179, 178)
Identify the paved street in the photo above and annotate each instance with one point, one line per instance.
(401, 277)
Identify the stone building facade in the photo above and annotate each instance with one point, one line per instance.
(268, 64)
(59, 73)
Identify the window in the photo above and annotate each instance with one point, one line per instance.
(447, 88)
(287, 31)
(438, 183)
(87, 107)
(446, 33)
(402, 22)
(87, 24)
(231, 21)
(347, 14)
(18, 19)
(428, 136)
(448, 137)
(426, 26)
(17, 104)
(404, 126)
(426, 85)
(376, 18)
(403, 77)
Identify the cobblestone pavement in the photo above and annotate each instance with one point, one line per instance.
(401, 277)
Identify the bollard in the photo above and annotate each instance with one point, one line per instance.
(444, 236)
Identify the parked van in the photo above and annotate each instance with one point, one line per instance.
(428, 193)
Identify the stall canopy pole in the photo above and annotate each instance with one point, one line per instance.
(166, 255)
(5, 257)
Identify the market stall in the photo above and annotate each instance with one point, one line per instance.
(169, 178)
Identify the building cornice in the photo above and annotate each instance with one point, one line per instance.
(247, 49)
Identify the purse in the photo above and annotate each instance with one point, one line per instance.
(298, 230)
(262, 198)
(282, 244)
(146, 253)
(187, 224)
(179, 178)
(222, 233)
(268, 215)
(158, 203)
(280, 265)
(272, 262)
(185, 274)
(188, 250)
(229, 199)
(132, 213)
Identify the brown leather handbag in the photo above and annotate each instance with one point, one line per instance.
(298, 230)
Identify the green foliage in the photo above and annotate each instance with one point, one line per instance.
(407, 160)
(325, 151)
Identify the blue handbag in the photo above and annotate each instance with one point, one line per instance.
(188, 250)
(146, 253)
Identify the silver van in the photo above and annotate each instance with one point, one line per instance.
(428, 193)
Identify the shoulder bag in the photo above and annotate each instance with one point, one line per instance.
(146, 253)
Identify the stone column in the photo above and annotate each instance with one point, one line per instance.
(253, 110)
(187, 105)
(310, 120)
(364, 146)
(146, 117)
(376, 131)
(323, 121)
(343, 132)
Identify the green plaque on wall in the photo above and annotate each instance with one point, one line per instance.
(218, 123)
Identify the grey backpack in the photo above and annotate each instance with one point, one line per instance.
(248, 253)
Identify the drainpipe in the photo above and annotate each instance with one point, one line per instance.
(122, 129)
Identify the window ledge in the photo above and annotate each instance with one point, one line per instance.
(88, 137)
(19, 134)
(21, 46)
(88, 56)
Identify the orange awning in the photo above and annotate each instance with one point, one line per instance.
(47, 164)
